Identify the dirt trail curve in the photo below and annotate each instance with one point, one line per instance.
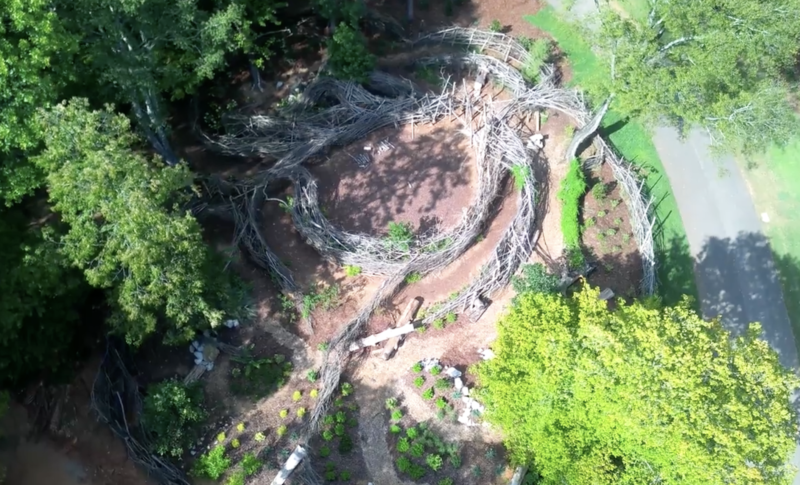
(734, 270)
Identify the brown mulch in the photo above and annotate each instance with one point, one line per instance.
(609, 241)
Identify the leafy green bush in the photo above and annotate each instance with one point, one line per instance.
(436, 370)
(347, 389)
(413, 277)
(344, 476)
(257, 378)
(428, 393)
(301, 412)
(438, 324)
(345, 444)
(539, 53)
(495, 26)
(403, 445)
(455, 460)
(395, 429)
(296, 396)
(391, 403)
(417, 450)
(339, 429)
(451, 317)
(397, 415)
(441, 403)
(235, 443)
(341, 417)
(400, 236)
(352, 271)
(312, 376)
(417, 367)
(327, 435)
(412, 433)
(282, 429)
(434, 461)
(535, 278)
(419, 381)
(443, 384)
(599, 191)
(520, 174)
(349, 58)
(416, 472)
(283, 413)
(212, 464)
(325, 451)
(237, 478)
(259, 437)
(445, 481)
(172, 411)
(572, 189)
(328, 420)
(403, 464)
(250, 464)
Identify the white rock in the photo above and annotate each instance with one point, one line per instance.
(279, 84)
(236, 323)
(209, 366)
(487, 354)
(198, 354)
(465, 391)
(452, 372)
(367, 148)
(459, 384)
(198, 360)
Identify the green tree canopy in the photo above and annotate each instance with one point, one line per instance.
(638, 395)
(719, 64)
(127, 230)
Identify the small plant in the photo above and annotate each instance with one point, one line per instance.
(391, 403)
(451, 317)
(283, 413)
(428, 393)
(250, 464)
(338, 402)
(420, 329)
(601, 236)
(412, 433)
(235, 443)
(443, 384)
(413, 277)
(327, 435)
(212, 464)
(341, 417)
(417, 450)
(220, 437)
(416, 472)
(324, 451)
(173, 411)
(352, 271)
(617, 249)
(301, 412)
(323, 346)
(400, 236)
(569, 131)
(395, 429)
(490, 454)
(281, 430)
(347, 389)
(313, 393)
(237, 478)
(599, 191)
(590, 222)
(339, 429)
(440, 414)
(259, 437)
(344, 476)
(476, 471)
(312, 376)
(455, 460)
(403, 445)
(601, 214)
(445, 481)
(495, 26)
(441, 403)
(403, 464)
(397, 415)
(240, 427)
(328, 420)
(296, 396)
(626, 238)
(434, 461)
(520, 174)
(345, 444)
(611, 232)
(535, 278)
(330, 476)
(436, 370)
(615, 203)
(544, 116)
(438, 324)
(617, 221)
(456, 395)
(419, 381)
(417, 367)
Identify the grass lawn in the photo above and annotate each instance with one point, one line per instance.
(632, 140)
(774, 184)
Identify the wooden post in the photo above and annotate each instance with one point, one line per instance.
(536, 116)
(405, 321)
(296, 457)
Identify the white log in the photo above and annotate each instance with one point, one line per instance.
(380, 337)
(606, 294)
(296, 457)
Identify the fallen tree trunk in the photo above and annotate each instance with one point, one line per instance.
(587, 131)
(406, 319)
(296, 457)
(380, 337)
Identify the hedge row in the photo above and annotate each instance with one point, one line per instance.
(572, 189)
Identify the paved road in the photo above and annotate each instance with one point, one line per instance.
(734, 270)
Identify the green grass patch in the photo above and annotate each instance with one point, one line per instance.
(573, 186)
(773, 182)
(634, 143)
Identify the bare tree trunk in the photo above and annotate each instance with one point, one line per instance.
(410, 10)
(153, 130)
(587, 131)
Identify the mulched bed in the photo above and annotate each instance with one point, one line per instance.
(607, 237)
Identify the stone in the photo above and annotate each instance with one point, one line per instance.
(279, 84)
(198, 354)
(465, 391)
(459, 384)
(209, 366)
(452, 372)
(198, 360)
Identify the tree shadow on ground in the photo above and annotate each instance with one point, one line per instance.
(739, 281)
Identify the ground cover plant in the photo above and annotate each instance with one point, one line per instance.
(336, 436)
(573, 186)
(259, 377)
(173, 412)
(567, 352)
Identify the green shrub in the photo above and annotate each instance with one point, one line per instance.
(495, 26)
(535, 278)
(352, 271)
(172, 412)
(347, 389)
(220, 437)
(282, 429)
(312, 376)
(417, 367)
(328, 420)
(330, 475)
(428, 394)
(443, 384)
(250, 464)
(417, 450)
(296, 396)
(323, 346)
(572, 189)
(413, 277)
(339, 429)
(438, 324)
(436, 370)
(301, 412)
(403, 445)
(391, 403)
(416, 472)
(327, 435)
(441, 403)
(539, 53)
(455, 460)
(520, 174)
(313, 393)
(445, 481)
(345, 444)
(212, 464)
(348, 57)
(283, 413)
(434, 461)
(325, 451)
(344, 476)
(395, 429)
(397, 415)
(419, 381)
(412, 433)
(403, 464)
(240, 427)
(599, 191)
(400, 236)
(258, 378)
(341, 417)
(235, 443)
(451, 317)
(259, 437)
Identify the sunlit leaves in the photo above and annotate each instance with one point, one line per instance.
(638, 395)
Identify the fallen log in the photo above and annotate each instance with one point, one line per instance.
(296, 457)
(587, 131)
(380, 337)
(406, 319)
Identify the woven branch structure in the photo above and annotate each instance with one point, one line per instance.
(332, 113)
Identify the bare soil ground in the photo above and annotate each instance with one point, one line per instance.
(607, 237)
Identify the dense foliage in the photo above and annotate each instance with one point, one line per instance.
(639, 395)
(572, 189)
(349, 57)
(172, 412)
(719, 64)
